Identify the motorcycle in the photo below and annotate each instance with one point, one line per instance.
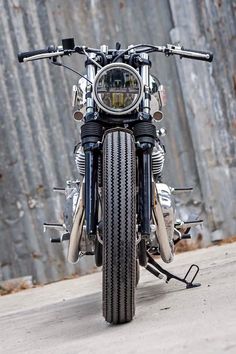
(119, 210)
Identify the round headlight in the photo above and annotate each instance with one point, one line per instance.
(118, 88)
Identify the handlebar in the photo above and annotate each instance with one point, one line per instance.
(40, 54)
(189, 53)
(168, 50)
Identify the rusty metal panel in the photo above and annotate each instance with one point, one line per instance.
(37, 132)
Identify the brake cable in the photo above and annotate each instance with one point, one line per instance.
(93, 61)
(74, 71)
(155, 48)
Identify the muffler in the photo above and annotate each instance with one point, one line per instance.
(77, 230)
(164, 223)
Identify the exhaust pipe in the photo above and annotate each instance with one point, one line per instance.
(163, 235)
(77, 230)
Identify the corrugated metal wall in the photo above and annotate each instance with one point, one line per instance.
(210, 103)
(38, 134)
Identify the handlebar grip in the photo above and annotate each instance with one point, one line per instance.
(23, 55)
(209, 59)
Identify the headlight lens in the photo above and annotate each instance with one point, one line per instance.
(118, 88)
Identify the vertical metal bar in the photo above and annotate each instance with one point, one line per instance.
(91, 72)
(145, 77)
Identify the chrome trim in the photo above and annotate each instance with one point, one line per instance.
(91, 73)
(145, 78)
(118, 65)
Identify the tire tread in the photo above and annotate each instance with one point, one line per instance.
(119, 250)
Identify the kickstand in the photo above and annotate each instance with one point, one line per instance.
(154, 268)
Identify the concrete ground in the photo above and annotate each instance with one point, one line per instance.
(66, 317)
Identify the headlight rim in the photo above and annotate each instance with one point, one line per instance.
(122, 111)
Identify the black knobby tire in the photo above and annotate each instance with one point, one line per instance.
(119, 237)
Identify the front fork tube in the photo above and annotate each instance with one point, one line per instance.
(91, 189)
(145, 189)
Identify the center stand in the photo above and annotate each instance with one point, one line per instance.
(154, 268)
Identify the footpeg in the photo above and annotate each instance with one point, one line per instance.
(186, 237)
(186, 224)
(55, 226)
(59, 190)
(180, 190)
(183, 237)
(160, 271)
(55, 240)
(64, 237)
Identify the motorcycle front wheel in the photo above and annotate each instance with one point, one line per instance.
(119, 224)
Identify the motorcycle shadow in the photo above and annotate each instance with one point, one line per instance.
(149, 293)
(81, 317)
(155, 292)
